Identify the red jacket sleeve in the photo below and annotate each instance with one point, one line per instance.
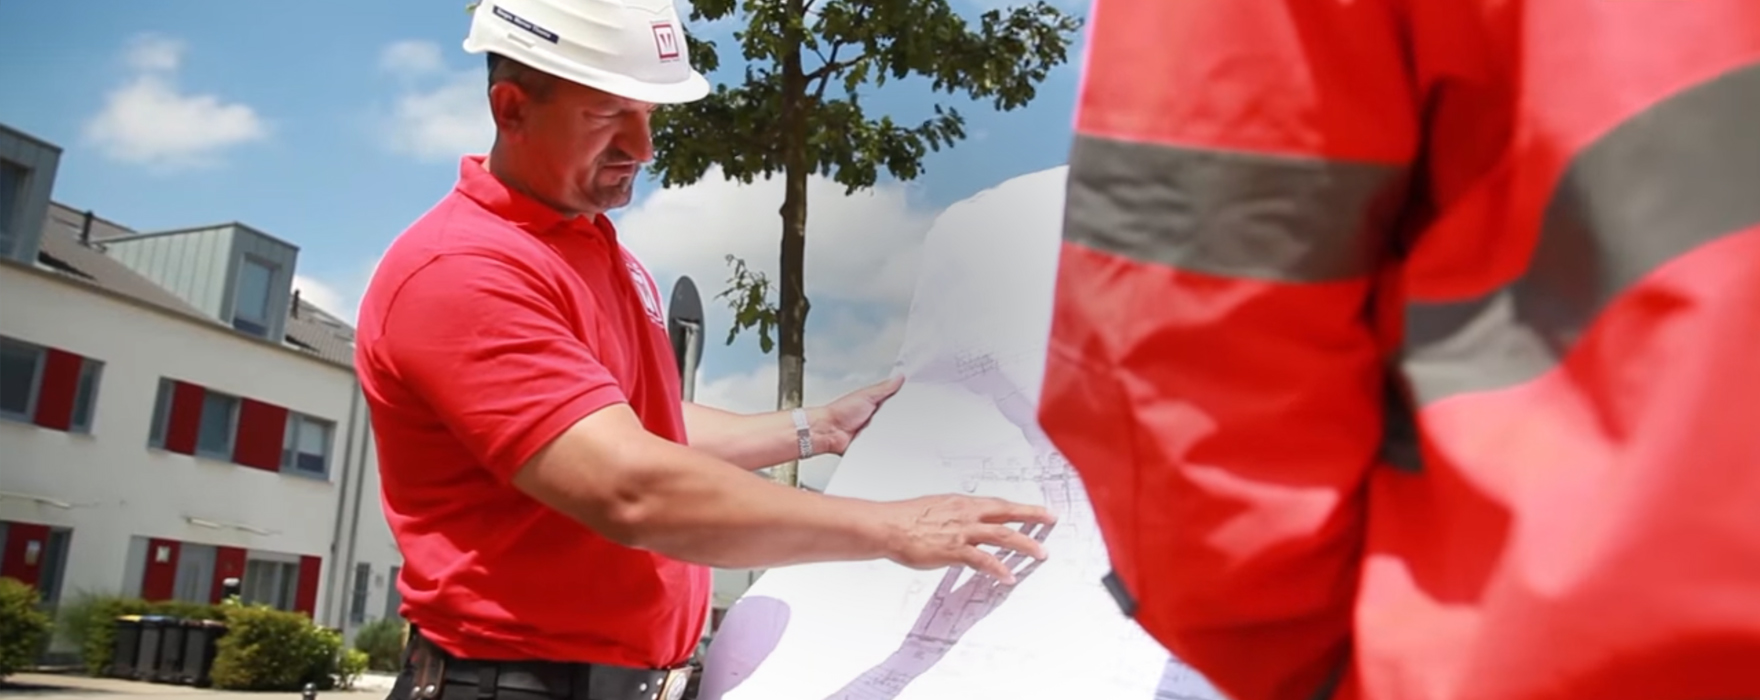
(1213, 374)
(488, 346)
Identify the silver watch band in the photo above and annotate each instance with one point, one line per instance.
(803, 431)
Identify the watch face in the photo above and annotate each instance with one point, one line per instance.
(676, 680)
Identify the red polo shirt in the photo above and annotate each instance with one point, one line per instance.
(491, 325)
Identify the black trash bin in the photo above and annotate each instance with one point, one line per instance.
(146, 660)
(125, 645)
(199, 637)
(170, 669)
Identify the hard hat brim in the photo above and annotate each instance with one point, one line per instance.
(691, 89)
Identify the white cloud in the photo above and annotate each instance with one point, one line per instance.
(438, 113)
(860, 247)
(861, 270)
(412, 58)
(150, 120)
(151, 52)
(324, 296)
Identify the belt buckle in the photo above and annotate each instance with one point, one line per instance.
(672, 687)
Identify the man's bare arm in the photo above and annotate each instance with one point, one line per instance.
(751, 441)
(642, 491)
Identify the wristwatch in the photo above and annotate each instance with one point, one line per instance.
(803, 431)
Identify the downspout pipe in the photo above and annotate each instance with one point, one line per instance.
(360, 478)
(349, 467)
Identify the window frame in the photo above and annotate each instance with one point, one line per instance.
(91, 375)
(9, 235)
(36, 382)
(284, 585)
(257, 327)
(231, 426)
(363, 589)
(297, 424)
(160, 423)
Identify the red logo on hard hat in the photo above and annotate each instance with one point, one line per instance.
(666, 41)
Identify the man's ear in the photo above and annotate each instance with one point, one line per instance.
(508, 105)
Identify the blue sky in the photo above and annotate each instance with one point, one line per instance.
(332, 125)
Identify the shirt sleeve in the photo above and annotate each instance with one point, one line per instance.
(1212, 372)
(493, 350)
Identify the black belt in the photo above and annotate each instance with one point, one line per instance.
(433, 668)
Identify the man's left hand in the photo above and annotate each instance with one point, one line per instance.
(843, 419)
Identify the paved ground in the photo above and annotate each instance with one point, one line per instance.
(39, 686)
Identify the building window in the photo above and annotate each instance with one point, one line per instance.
(49, 387)
(21, 367)
(270, 583)
(393, 594)
(85, 395)
(357, 604)
(250, 307)
(219, 425)
(307, 446)
(161, 413)
(12, 181)
(194, 420)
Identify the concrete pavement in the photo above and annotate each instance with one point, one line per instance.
(43, 686)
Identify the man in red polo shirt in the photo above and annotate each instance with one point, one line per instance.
(555, 525)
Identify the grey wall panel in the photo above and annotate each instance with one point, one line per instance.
(192, 264)
(278, 255)
(41, 159)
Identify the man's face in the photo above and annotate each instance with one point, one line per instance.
(580, 148)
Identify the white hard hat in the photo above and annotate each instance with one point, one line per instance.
(632, 48)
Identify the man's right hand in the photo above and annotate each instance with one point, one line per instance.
(936, 531)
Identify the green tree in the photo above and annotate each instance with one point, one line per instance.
(799, 111)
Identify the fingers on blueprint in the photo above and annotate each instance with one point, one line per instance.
(1021, 550)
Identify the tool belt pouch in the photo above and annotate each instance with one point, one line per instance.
(427, 664)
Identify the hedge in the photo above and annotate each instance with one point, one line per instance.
(382, 641)
(24, 627)
(269, 649)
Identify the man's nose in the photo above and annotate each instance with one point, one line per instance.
(636, 138)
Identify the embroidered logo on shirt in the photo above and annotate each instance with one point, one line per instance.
(645, 289)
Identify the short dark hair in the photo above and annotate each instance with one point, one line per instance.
(535, 82)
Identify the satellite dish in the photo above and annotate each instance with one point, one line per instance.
(684, 325)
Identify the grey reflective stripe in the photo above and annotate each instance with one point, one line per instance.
(1675, 177)
(1233, 214)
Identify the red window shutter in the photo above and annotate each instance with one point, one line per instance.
(305, 598)
(15, 562)
(228, 563)
(261, 427)
(185, 421)
(159, 579)
(60, 383)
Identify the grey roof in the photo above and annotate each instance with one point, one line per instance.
(310, 329)
(62, 252)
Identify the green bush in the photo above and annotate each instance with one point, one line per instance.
(382, 640)
(268, 649)
(354, 663)
(24, 628)
(89, 621)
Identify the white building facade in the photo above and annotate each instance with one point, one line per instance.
(172, 415)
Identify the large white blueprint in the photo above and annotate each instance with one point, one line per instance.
(963, 422)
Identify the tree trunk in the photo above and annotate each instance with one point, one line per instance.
(792, 310)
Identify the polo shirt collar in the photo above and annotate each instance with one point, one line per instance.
(482, 187)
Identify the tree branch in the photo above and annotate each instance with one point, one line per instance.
(830, 68)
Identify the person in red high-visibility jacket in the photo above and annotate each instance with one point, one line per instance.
(1410, 349)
